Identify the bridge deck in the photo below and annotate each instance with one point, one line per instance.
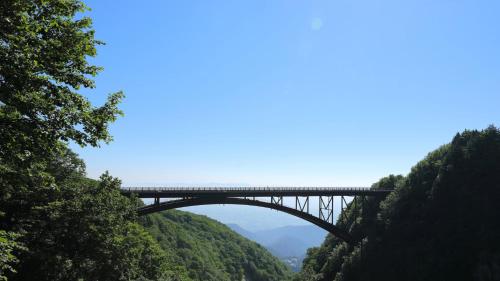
(178, 192)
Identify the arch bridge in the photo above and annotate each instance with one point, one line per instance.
(178, 197)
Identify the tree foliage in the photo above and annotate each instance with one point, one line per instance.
(8, 245)
(87, 231)
(71, 228)
(44, 49)
(439, 223)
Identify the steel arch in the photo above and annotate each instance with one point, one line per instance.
(195, 201)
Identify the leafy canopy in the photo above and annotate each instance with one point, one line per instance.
(44, 49)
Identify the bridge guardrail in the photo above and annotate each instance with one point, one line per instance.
(183, 189)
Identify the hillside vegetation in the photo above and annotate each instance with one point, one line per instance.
(441, 222)
(210, 250)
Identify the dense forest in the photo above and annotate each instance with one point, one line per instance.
(441, 222)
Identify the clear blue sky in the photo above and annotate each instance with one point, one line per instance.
(290, 92)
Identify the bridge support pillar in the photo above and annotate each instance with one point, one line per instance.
(277, 200)
(343, 206)
(302, 206)
(326, 208)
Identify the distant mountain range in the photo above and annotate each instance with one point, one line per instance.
(289, 243)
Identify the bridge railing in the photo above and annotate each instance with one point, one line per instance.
(260, 188)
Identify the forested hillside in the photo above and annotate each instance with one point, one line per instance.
(441, 222)
(208, 250)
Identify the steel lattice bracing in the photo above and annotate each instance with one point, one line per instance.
(193, 196)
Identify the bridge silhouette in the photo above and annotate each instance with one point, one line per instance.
(178, 197)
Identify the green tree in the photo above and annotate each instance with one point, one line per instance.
(44, 48)
(44, 197)
(8, 245)
(86, 232)
(43, 62)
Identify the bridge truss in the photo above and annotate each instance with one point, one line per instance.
(324, 197)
